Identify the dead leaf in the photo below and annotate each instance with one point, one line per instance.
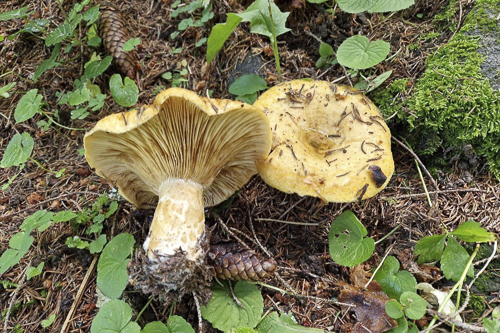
(369, 307)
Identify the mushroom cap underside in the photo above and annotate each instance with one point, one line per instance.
(212, 142)
(328, 141)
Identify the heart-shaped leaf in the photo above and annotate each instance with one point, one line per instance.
(112, 276)
(28, 106)
(225, 314)
(393, 281)
(124, 93)
(359, 53)
(348, 245)
(114, 316)
(18, 150)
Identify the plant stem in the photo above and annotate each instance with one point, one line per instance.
(42, 167)
(143, 309)
(274, 42)
(423, 183)
(455, 287)
(55, 122)
(390, 233)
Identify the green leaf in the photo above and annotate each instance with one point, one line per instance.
(114, 316)
(359, 53)
(40, 220)
(177, 324)
(97, 245)
(131, 44)
(19, 245)
(125, 94)
(31, 272)
(491, 325)
(394, 309)
(325, 50)
(59, 33)
(91, 15)
(402, 325)
(471, 231)
(454, 260)
(96, 67)
(112, 276)
(155, 327)
(245, 330)
(414, 305)
(430, 248)
(247, 84)
(347, 242)
(4, 90)
(13, 14)
(35, 26)
(373, 6)
(376, 82)
(260, 20)
(273, 323)
(79, 96)
(64, 216)
(18, 150)
(225, 314)
(380, 6)
(47, 322)
(48, 63)
(249, 99)
(76, 242)
(219, 34)
(393, 281)
(28, 106)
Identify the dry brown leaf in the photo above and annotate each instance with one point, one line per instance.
(369, 307)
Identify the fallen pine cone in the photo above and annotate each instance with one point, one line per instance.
(112, 29)
(231, 262)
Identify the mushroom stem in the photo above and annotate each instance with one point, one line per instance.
(179, 221)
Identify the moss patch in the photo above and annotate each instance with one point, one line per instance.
(452, 104)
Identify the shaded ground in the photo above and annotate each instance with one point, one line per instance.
(67, 286)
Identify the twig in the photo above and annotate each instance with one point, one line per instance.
(380, 265)
(242, 243)
(290, 208)
(287, 222)
(418, 160)
(468, 327)
(14, 297)
(46, 201)
(403, 196)
(255, 236)
(79, 294)
(495, 247)
(198, 311)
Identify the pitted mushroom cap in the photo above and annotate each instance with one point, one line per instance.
(212, 142)
(328, 141)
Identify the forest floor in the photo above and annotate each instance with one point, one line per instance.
(67, 286)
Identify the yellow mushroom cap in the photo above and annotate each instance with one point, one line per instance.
(328, 141)
(212, 142)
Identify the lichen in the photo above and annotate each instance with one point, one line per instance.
(452, 104)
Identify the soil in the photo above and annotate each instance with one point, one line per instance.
(67, 286)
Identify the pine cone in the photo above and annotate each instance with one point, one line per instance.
(231, 262)
(112, 29)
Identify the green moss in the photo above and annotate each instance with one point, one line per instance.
(452, 103)
(477, 304)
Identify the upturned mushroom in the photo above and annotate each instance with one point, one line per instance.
(180, 154)
(328, 141)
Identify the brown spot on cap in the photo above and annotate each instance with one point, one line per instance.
(378, 176)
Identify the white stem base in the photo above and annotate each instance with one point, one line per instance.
(179, 221)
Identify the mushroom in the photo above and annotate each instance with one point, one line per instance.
(328, 141)
(180, 154)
